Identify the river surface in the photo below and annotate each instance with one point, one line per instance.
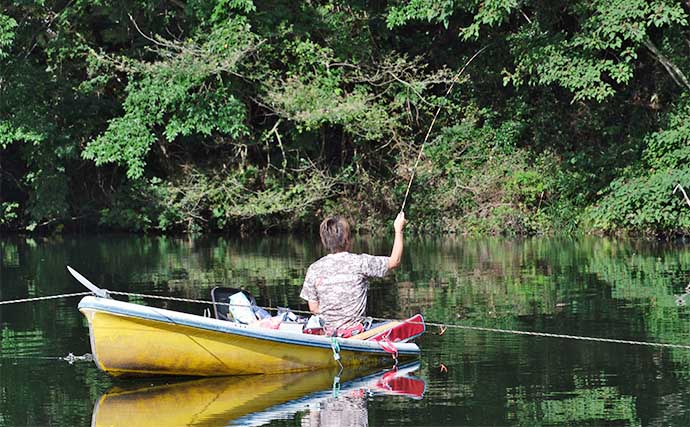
(592, 287)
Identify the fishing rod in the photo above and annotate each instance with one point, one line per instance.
(433, 121)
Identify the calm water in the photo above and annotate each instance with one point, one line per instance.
(591, 287)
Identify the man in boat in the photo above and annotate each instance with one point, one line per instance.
(336, 285)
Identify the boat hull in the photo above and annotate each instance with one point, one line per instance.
(130, 339)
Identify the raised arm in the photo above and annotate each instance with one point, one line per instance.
(396, 253)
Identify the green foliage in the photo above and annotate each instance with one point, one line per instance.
(127, 141)
(489, 13)
(478, 181)
(217, 200)
(579, 58)
(222, 7)
(7, 33)
(185, 94)
(158, 116)
(645, 204)
(320, 102)
(48, 200)
(668, 148)
(643, 199)
(429, 10)
(580, 61)
(272, 202)
(526, 187)
(8, 213)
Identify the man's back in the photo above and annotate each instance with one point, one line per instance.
(339, 282)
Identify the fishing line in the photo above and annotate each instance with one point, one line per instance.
(433, 121)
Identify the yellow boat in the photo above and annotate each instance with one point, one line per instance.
(135, 340)
(248, 400)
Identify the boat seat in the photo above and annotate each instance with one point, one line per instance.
(395, 331)
(222, 295)
(375, 331)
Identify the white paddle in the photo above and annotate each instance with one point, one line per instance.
(103, 293)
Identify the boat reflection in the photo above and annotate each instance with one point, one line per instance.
(255, 400)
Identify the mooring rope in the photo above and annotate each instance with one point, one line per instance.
(435, 324)
(71, 358)
(563, 336)
(16, 301)
(441, 325)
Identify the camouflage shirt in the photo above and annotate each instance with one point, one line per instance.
(339, 283)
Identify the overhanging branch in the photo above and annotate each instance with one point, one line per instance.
(672, 69)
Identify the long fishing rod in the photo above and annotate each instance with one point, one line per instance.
(433, 121)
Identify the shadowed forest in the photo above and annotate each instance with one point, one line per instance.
(238, 115)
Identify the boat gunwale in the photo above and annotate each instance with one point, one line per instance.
(145, 312)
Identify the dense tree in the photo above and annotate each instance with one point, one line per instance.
(209, 115)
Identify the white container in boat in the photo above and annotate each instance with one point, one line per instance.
(241, 309)
(315, 322)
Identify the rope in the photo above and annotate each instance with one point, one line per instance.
(13, 357)
(16, 301)
(563, 336)
(383, 319)
(438, 324)
(70, 358)
(196, 301)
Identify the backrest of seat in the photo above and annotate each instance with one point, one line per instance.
(222, 295)
(404, 331)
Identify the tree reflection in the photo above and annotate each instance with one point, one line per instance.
(589, 286)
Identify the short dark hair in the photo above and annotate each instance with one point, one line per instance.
(335, 234)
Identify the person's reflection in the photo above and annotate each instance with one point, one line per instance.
(347, 410)
(349, 407)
